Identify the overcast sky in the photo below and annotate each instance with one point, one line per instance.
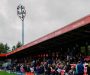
(43, 17)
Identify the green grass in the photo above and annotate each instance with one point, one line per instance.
(6, 73)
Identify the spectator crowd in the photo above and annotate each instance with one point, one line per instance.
(51, 66)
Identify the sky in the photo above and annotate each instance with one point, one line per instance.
(42, 17)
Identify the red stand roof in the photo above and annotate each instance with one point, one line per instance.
(2, 55)
(79, 23)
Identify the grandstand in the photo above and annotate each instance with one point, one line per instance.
(73, 38)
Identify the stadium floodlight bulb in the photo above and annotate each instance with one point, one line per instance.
(21, 12)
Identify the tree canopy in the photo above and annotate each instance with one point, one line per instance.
(4, 48)
(19, 44)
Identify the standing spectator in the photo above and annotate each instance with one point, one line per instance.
(67, 68)
(80, 68)
(18, 68)
(88, 69)
(22, 70)
(48, 70)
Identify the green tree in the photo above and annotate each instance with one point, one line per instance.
(4, 48)
(19, 44)
(13, 48)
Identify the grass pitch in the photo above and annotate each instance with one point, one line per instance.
(6, 73)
